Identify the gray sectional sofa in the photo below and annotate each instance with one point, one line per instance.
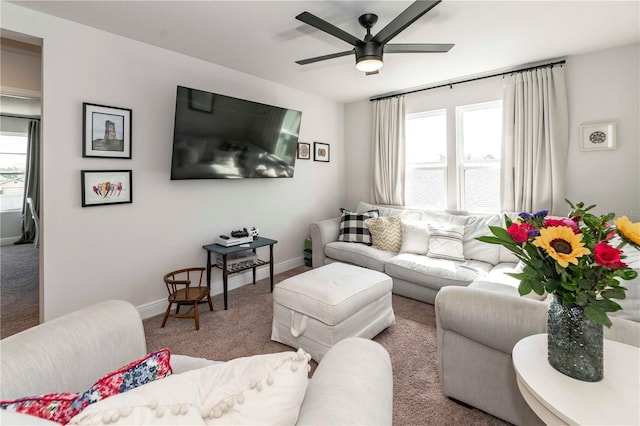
(416, 275)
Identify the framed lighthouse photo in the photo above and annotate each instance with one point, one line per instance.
(106, 131)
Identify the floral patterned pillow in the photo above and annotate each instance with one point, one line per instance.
(62, 407)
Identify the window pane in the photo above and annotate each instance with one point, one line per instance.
(425, 187)
(480, 141)
(482, 132)
(482, 189)
(12, 167)
(426, 159)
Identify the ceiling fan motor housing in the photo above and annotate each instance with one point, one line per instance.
(368, 51)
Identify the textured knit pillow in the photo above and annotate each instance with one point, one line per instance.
(352, 227)
(415, 237)
(62, 407)
(386, 232)
(445, 242)
(255, 390)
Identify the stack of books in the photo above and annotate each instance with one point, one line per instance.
(238, 260)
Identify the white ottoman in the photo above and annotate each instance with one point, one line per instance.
(318, 308)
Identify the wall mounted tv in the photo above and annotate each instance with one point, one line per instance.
(220, 137)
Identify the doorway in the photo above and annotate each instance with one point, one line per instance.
(20, 108)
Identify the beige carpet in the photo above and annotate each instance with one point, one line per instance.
(245, 329)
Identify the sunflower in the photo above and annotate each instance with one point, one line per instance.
(561, 244)
(628, 230)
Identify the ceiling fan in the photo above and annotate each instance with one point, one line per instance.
(369, 50)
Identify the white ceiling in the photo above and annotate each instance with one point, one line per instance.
(263, 38)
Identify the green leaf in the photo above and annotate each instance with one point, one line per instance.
(524, 288)
(614, 293)
(569, 286)
(537, 286)
(597, 316)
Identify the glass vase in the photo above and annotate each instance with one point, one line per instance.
(575, 342)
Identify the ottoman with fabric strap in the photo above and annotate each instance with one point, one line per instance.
(320, 307)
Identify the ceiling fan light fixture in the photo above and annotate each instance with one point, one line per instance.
(369, 64)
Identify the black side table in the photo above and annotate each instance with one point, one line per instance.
(225, 251)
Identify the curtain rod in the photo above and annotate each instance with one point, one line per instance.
(24, 117)
(450, 84)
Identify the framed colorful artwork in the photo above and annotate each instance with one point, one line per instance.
(103, 187)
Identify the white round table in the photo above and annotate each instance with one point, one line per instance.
(559, 399)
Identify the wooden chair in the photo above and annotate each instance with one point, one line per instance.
(181, 292)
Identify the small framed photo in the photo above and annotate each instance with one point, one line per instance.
(102, 187)
(106, 131)
(201, 101)
(598, 137)
(321, 152)
(304, 151)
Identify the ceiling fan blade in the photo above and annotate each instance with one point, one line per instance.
(402, 21)
(324, 58)
(418, 48)
(328, 28)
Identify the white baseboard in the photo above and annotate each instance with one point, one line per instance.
(8, 241)
(158, 307)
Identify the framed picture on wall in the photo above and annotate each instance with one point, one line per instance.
(321, 152)
(598, 137)
(106, 131)
(304, 151)
(103, 187)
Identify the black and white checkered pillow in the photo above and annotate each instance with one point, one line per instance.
(352, 227)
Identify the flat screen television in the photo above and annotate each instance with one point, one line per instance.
(221, 137)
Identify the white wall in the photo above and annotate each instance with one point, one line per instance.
(604, 87)
(122, 251)
(601, 86)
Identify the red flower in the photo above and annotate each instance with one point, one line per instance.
(565, 221)
(520, 231)
(608, 256)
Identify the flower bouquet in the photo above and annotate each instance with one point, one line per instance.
(579, 261)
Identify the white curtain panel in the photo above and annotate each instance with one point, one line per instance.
(535, 141)
(388, 151)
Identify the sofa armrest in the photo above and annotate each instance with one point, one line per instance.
(69, 353)
(322, 233)
(495, 320)
(353, 384)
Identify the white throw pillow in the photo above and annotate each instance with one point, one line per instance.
(415, 237)
(262, 389)
(445, 242)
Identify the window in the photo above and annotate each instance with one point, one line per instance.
(479, 137)
(426, 160)
(468, 180)
(13, 161)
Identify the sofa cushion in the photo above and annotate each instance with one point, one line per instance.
(434, 273)
(358, 254)
(415, 237)
(445, 242)
(352, 227)
(386, 232)
(259, 389)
